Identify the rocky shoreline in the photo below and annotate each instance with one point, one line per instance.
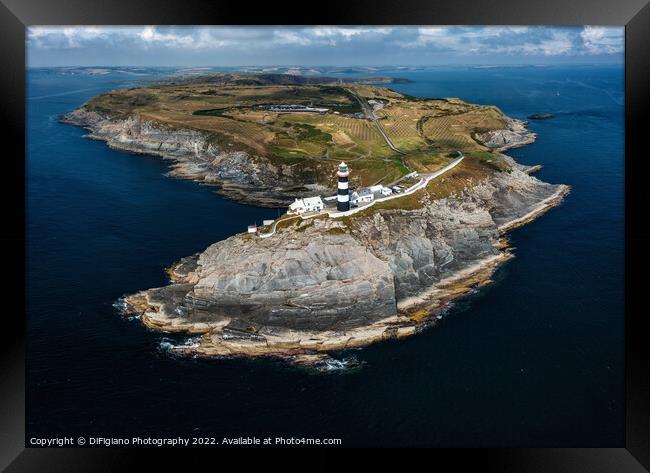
(515, 135)
(238, 175)
(324, 285)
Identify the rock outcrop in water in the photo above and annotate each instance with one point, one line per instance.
(514, 135)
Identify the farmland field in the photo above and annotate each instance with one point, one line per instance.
(237, 116)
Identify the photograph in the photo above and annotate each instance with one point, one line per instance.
(325, 236)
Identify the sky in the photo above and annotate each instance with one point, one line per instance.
(321, 45)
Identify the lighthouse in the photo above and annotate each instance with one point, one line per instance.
(343, 197)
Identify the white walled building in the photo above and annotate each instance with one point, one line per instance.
(362, 196)
(308, 204)
(379, 189)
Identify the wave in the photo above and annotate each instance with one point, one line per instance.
(333, 365)
(167, 344)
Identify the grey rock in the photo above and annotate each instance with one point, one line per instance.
(335, 276)
(237, 174)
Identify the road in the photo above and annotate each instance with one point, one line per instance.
(273, 227)
(370, 115)
(426, 178)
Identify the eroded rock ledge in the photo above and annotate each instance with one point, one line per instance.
(514, 135)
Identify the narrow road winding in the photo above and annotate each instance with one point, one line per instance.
(370, 115)
(425, 179)
(274, 226)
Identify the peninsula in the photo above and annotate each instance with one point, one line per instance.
(425, 198)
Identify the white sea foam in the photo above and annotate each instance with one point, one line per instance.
(332, 364)
(167, 344)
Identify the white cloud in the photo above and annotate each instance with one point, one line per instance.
(69, 36)
(324, 35)
(347, 33)
(291, 37)
(493, 39)
(601, 40)
(438, 35)
(450, 40)
(151, 35)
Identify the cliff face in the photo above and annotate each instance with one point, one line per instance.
(299, 280)
(324, 283)
(238, 174)
(329, 275)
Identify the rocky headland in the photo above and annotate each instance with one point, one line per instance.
(514, 135)
(236, 174)
(325, 284)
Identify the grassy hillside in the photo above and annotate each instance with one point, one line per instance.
(236, 115)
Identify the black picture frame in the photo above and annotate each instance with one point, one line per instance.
(633, 455)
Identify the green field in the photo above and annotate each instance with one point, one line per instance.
(236, 116)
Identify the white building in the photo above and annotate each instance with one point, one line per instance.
(379, 189)
(376, 104)
(308, 204)
(252, 228)
(362, 196)
(296, 108)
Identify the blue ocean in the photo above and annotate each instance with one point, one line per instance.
(535, 359)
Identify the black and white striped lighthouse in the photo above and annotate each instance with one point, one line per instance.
(343, 197)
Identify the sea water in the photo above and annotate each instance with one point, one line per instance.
(535, 359)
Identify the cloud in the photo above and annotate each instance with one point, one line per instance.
(325, 35)
(67, 36)
(424, 41)
(291, 37)
(557, 43)
(601, 40)
(150, 35)
(516, 40)
(346, 33)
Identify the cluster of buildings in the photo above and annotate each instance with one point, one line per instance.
(344, 200)
(308, 204)
(294, 108)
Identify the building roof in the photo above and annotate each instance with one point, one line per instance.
(307, 202)
(313, 200)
